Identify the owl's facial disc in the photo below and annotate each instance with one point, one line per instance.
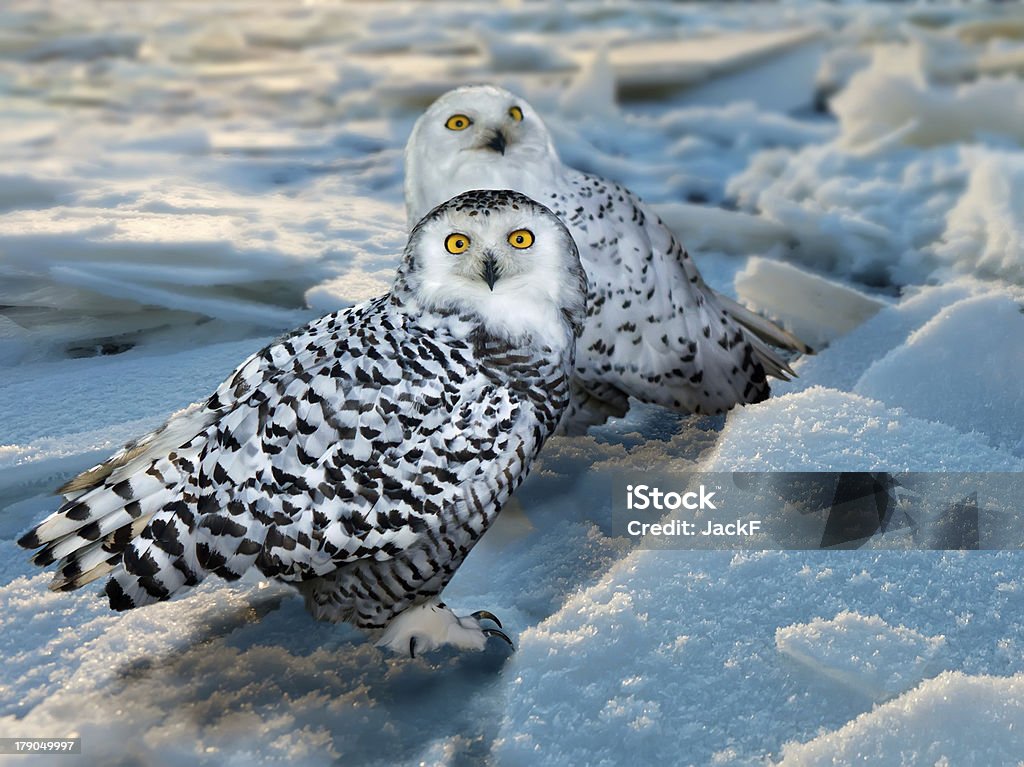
(495, 264)
(482, 256)
(494, 133)
(499, 256)
(484, 136)
(481, 120)
(477, 137)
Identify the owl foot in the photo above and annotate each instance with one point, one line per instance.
(428, 626)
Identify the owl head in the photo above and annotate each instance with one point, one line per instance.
(498, 258)
(476, 137)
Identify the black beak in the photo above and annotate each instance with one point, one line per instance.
(490, 272)
(497, 142)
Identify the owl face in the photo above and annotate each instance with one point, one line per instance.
(482, 119)
(478, 137)
(498, 255)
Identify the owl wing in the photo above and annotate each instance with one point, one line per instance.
(344, 440)
(656, 330)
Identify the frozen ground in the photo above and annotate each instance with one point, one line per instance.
(182, 181)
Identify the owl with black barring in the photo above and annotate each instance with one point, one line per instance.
(362, 456)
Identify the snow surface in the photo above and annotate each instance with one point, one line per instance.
(927, 374)
(984, 232)
(927, 726)
(182, 181)
(863, 652)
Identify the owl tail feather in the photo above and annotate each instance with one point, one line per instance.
(111, 504)
(762, 327)
(87, 535)
(765, 332)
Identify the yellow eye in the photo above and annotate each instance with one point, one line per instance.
(516, 113)
(521, 238)
(456, 243)
(458, 122)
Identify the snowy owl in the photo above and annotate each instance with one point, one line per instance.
(359, 457)
(654, 329)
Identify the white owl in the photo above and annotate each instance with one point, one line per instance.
(654, 329)
(362, 456)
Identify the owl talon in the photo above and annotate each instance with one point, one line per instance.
(481, 615)
(427, 626)
(498, 633)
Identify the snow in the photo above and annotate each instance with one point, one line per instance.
(863, 652)
(850, 356)
(672, 658)
(881, 106)
(184, 181)
(184, 377)
(821, 429)
(927, 726)
(592, 90)
(927, 375)
(984, 233)
(873, 218)
(816, 309)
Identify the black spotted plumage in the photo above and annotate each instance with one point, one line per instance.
(359, 457)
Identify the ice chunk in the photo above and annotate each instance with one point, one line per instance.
(841, 365)
(952, 719)
(653, 64)
(872, 218)
(702, 228)
(882, 107)
(680, 646)
(827, 430)
(863, 652)
(815, 309)
(505, 53)
(985, 230)
(592, 90)
(965, 367)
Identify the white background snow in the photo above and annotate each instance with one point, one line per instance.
(182, 181)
